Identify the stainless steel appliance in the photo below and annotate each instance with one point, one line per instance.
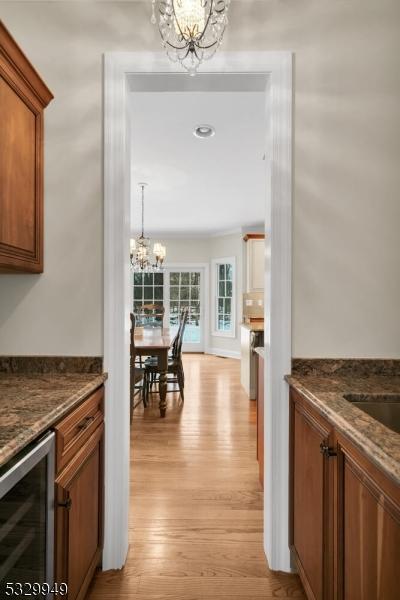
(249, 339)
(27, 520)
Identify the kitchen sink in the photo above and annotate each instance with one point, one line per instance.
(385, 408)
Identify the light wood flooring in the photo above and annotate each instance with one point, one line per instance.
(196, 504)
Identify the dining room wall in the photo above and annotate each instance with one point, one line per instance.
(346, 209)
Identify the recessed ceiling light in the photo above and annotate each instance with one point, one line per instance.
(204, 131)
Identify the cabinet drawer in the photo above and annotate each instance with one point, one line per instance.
(73, 431)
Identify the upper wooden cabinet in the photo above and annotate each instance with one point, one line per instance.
(23, 97)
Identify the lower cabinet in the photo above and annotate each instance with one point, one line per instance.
(310, 492)
(368, 534)
(79, 505)
(345, 513)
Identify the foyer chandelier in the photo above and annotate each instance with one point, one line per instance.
(141, 260)
(191, 30)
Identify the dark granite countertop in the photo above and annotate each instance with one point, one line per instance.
(325, 392)
(255, 326)
(31, 403)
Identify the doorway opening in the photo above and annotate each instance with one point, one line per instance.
(274, 71)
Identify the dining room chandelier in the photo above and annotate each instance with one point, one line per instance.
(191, 30)
(141, 259)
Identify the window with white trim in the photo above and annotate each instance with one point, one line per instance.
(224, 297)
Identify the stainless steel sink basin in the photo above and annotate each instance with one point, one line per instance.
(385, 408)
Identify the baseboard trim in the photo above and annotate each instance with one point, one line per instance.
(223, 353)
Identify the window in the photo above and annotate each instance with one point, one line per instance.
(148, 288)
(224, 296)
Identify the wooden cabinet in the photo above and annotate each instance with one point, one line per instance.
(368, 528)
(23, 97)
(260, 418)
(79, 496)
(310, 495)
(345, 513)
(255, 263)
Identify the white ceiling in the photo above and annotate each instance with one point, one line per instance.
(198, 186)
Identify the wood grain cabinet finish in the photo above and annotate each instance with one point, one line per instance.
(73, 431)
(310, 492)
(79, 506)
(345, 513)
(368, 532)
(23, 97)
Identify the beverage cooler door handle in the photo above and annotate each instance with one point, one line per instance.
(252, 340)
(67, 504)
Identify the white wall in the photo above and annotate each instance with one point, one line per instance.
(346, 288)
(203, 250)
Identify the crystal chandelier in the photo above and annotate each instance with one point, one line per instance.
(140, 250)
(191, 30)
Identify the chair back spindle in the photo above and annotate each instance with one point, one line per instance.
(177, 345)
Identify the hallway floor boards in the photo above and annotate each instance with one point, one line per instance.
(196, 506)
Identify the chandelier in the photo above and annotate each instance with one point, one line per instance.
(141, 260)
(191, 30)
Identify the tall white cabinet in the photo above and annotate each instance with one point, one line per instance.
(255, 265)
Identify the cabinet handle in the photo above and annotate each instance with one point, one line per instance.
(85, 423)
(326, 450)
(66, 504)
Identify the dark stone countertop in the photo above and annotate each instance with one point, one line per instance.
(325, 392)
(31, 403)
(255, 326)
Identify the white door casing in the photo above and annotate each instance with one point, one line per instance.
(277, 67)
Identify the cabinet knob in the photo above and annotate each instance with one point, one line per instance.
(326, 450)
(66, 504)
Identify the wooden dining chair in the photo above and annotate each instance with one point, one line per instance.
(137, 374)
(152, 314)
(175, 364)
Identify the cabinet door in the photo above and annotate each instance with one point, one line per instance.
(23, 96)
(368, 518)
(310, 511)
(255, 265)
(79, 517)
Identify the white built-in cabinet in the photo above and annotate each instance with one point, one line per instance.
(255, 265)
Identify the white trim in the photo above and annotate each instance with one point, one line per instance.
(277, 318)
(223, 353)
(277, 66)
(117, 294)
(185, 235)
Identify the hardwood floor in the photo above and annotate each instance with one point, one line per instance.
(196, 504)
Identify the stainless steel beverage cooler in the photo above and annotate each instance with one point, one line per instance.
(27, 517)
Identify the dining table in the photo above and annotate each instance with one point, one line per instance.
(156, 341)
